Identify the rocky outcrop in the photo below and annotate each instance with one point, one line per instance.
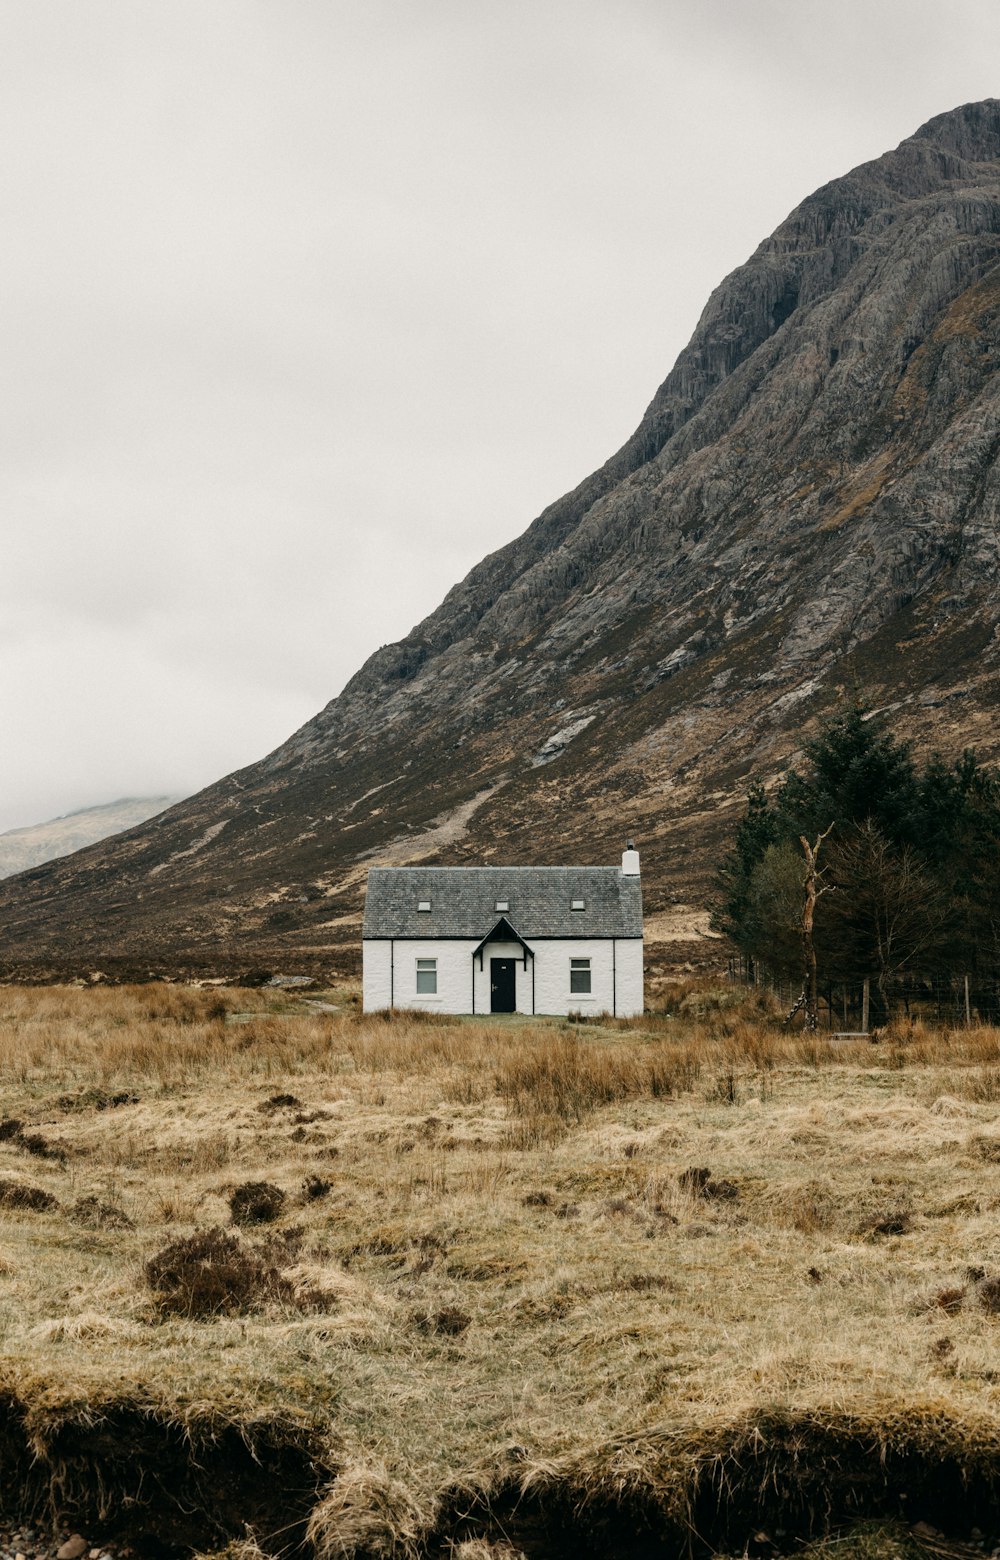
(809, 503)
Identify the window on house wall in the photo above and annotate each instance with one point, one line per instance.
(578, 904)
(427, 977)
(579, 977)
(423, 904)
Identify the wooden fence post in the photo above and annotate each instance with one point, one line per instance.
(865, 990)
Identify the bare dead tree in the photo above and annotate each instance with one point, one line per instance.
(813, 888)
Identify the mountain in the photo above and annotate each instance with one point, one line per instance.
(809, 505)
(29, 847)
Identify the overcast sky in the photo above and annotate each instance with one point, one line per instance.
(306, 305)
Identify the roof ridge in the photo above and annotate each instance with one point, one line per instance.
(581, 867)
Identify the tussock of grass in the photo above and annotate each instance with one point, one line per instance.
(525, 1285)
(560, 1076)
(368, 1512)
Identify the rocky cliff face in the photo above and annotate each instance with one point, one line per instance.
(809, 504)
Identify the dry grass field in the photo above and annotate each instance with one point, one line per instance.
(273, 1275)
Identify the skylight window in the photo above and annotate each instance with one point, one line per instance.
(503, 904)
(423, 904)
(578, 904)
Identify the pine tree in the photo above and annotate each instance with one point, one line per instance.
(856, 771)
(914, 857)
(756, 830)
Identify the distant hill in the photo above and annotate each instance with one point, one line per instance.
(811, 503)
(23, 848)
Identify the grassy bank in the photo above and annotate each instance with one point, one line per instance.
(679, 1277)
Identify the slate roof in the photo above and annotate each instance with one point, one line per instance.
(464, 899)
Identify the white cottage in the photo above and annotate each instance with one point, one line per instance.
(505, 939)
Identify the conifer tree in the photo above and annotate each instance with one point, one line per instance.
(914, 856)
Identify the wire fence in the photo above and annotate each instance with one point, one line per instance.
(857, 1006)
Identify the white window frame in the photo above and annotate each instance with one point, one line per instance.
(427, 972)
(580, 970)
(578, 904)
(503, 904)
(423, 905)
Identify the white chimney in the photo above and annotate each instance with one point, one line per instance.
(630, 860)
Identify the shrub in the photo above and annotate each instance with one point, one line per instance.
(211, 1273)
(96, 1215)
(256, 1202)
(41, 1148)
(17, 1194)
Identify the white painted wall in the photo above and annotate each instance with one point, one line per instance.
(613, 968)
(375, 986)
(616, 975)
(629, 980)
(392, 968)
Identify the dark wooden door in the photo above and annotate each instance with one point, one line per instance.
(503, 986)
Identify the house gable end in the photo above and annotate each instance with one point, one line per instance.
(504, 932)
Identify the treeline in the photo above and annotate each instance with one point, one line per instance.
(908, 889)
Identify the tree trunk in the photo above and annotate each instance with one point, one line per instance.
(810, 883)
(812, 893)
